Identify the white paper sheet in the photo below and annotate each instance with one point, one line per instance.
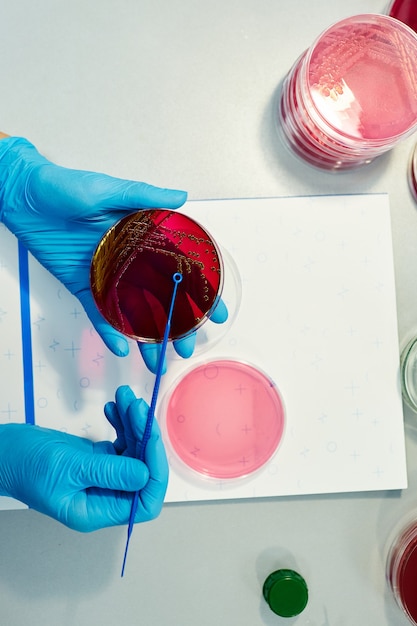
(317, 314)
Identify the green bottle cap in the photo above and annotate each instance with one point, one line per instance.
(286, 592)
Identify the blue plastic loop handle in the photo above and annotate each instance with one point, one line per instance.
(176, 278)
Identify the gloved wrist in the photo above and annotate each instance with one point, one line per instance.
(17, 158)
(3, 434)
(6, 444)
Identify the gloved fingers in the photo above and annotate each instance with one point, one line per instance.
(117, 414)
(79, 194)
(153, 494)
(123, 194)
(97, 508)
(113, 339)
(124, 398)
(220, 313)
(185, 347)
(150, 354)
(103, 447)
(113, 417)
(137, 413)
(106, 508)
(106, 471)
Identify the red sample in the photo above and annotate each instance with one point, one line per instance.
(132, 269)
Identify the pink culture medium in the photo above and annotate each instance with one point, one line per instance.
(353, 94)
(224, 419)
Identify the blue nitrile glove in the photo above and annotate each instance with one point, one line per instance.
(86, 485)
(61, 214)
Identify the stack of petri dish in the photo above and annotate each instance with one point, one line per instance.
(401, 566)
(352, 95)
(412, 173)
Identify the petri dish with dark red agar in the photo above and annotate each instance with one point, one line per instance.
(404, 10)
(224, 419)
(401, 569)
(132, 269)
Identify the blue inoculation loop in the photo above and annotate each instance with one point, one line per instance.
(176, 278)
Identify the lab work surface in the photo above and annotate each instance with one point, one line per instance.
(297, 393)
(183, 94)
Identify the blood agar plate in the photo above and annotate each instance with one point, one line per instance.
(401, 569)
(224, 419)
(405, 11)
(132, 269)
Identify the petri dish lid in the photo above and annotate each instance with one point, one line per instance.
(224, 419)
(360, 78)
(132, 269)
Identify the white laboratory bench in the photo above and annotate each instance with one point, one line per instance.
(180, 93)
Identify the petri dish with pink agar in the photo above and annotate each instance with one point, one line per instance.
(401, 569)
(352, 95)
(132, 268)
(224, 419)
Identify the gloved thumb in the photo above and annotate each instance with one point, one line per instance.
(108, 471)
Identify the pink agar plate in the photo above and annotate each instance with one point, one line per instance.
(225, 419)
(351, 96)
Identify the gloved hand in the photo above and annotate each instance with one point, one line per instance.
(85, 485)
(61, 214)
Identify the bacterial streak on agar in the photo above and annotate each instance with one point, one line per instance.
(131, 266)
